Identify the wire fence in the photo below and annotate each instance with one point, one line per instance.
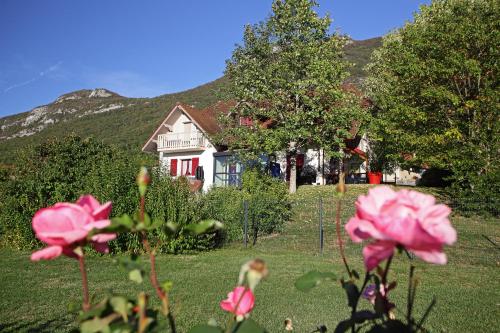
(312, 229)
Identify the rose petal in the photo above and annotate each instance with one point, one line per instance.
(97, 224)
(376, 252)
(103, 211)
(101, 247)
(47, 253)
(63, 238)
(89, 203)
(102, 238)
(431, 256)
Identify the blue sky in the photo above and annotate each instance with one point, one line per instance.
(144, 48)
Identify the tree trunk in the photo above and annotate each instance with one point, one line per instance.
(342, 169)
(293, 168)
(293, 174)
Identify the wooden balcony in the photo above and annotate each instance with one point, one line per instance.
(181, 141)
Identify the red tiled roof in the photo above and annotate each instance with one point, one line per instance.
(206, 118)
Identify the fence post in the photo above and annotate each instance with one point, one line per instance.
(245, 222)
(320, 225)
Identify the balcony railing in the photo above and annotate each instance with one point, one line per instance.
(180, 141)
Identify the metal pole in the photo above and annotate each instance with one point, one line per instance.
(245, 222)
(320, 225)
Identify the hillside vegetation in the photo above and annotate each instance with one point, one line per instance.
(122, 121)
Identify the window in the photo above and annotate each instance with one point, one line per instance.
(186, 167)
(227, 171)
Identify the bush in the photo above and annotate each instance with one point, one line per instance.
(268, 205)
(61, 170)
(171, 200)
(225, 204)
(267, 200)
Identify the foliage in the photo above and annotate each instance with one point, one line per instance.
(63, 169)
(268, 205)
(171, 200)
(435, 82)
(288, 74)
(268, 202)
(225, 204)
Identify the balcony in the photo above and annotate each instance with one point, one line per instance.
(181, 141)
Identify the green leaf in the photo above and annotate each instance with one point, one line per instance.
(204, 226)
(171, 228)
(95, 325)
(311, 279)
(135, 275)
(157, 223)
(205, 329)
(250, 326)
(119, 224)
(120, 305)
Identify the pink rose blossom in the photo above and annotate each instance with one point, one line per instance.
(407, 218)
(65, 226)
(240, 301)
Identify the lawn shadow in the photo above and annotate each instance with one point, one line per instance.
(38, 326)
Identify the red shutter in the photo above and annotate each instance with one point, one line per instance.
(194, 164)
(300, 160)
(173, 167)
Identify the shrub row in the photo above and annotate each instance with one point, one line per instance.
(64, 169)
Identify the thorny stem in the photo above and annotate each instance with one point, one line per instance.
(85, 286)
(153, 275)
(409, 305)
(339, 237)
(384, 284)
(355, 306)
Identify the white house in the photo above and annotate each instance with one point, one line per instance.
(183, 143)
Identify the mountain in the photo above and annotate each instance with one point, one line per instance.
(123, 121)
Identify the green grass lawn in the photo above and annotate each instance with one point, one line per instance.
(35, 296)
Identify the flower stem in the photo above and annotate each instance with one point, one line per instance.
(355, 306)
(384, 284)
(153, 277)
(339, 237)
(85, 287)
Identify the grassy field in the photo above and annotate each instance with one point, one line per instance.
(35, 295)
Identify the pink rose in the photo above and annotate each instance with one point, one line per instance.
(240, 301)
(65, 226)
(406, 218)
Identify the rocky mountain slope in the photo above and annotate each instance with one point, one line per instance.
(120, 120)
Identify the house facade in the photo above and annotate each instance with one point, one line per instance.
(183, 143)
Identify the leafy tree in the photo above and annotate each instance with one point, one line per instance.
(436, 84)
(287, 81)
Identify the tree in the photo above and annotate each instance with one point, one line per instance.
(287, 81)
(436, 84)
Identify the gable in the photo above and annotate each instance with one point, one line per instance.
(205, 120)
